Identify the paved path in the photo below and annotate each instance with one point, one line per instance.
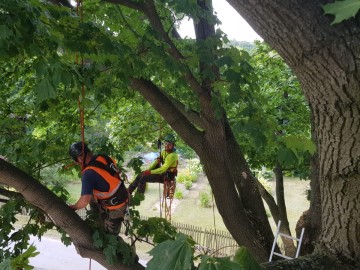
(54, 255)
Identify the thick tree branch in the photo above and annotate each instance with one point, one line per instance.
(167, 109)
(150, 11)
(38, 195)
(156, 23)
(191, 115)
(8, 193)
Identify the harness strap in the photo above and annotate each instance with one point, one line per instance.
(121, 195)
(110, 167)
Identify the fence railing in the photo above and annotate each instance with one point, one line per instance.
(209, 241)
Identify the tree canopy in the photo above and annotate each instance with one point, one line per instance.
(118, 52)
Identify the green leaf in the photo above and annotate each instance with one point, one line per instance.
(98, 241)
(342, 10)
(212, 263)
(45, 90)
(175, 255)
(5, 32)
(159, 228)
(21, 261)
(111, 254)
(287, 157)
(6, 265)
(300, 143)
(244, 257)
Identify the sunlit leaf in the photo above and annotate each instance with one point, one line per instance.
(287, 157)
(342, 10)
(300, 143)
(175, 255)
(45, 90)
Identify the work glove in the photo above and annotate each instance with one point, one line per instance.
(147, 172)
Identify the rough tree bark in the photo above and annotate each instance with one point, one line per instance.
(38, 195)
(325, 59)
(311, 219)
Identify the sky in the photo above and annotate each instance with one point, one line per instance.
(232, 24)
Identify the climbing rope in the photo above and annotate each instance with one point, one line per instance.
(159, 147)
(79, 12)
(168, 196)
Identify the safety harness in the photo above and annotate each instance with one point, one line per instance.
(171, 172)
(117, 195)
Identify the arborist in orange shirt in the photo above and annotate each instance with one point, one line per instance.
(101, 181)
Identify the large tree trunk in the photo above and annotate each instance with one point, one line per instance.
(311, 219)
(325, 59)
(209, 134)
(235, 189)
(38, 195)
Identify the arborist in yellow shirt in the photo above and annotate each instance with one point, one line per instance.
(162, 169)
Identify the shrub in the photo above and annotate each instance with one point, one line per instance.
(182, 178)
(187, 184)
(52, 175)
(204, 199)
(194, 166)
(267, 175)
(178, 195)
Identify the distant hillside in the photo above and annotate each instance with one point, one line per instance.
(242, 44)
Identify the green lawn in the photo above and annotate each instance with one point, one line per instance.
(188, 210)
(295, 199)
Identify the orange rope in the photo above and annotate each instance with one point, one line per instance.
(79, 11)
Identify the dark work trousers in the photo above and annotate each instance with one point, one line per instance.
(140, 181)
(109, 220)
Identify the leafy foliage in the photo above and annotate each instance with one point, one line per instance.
(41, 47)
(113, 247)
(342, 10)
(158, 229)
(175, 254)
(244, 257)
(213, 263)
(14, 242)
(21, 261)
(276, 128)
